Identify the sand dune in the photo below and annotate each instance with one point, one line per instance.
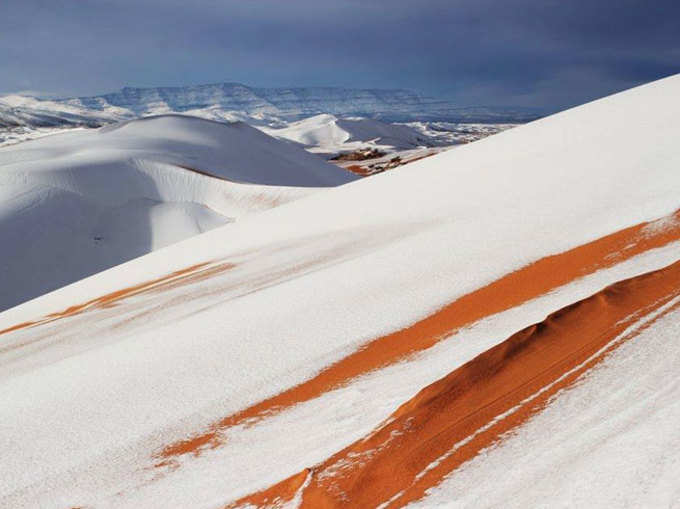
(74, 204)
(381, 342)
(514, 289)
(450, 421)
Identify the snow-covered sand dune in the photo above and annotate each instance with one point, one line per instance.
(77, 203)
(328, 134)
(381, 343)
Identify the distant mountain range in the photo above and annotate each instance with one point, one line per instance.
(234, 101)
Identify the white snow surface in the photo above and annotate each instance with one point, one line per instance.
(87, 400)
(328, 134)
(453, 133)
(609, 441)
(77, 203)
(30, 112)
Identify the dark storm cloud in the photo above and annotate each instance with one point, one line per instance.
(527, 52)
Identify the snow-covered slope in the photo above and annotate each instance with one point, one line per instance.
(328, 134)
(381, 343)
(23, 111)
(77, 203)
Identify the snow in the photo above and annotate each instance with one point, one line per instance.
(291, 103)
(30, 112)
(18, 134)
(450, 133)
(319, 130)
(276, 111)
(328, 134)
(234, 101)
(313, 280)
(308, 433)
(74, 204)
(609, 441)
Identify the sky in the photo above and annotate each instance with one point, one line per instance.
(548, 54)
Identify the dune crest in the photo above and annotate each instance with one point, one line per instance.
(453, 419)
(512, 290)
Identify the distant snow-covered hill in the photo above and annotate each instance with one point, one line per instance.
(233, 101)
(328, 134)
(293, 103)
(23, 111)
(77, 203)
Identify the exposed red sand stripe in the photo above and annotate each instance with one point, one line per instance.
(450, 421)
(193, 273)
(509, 291)
(358, 169)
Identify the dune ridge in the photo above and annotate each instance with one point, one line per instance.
(511, 290)
(470, 409)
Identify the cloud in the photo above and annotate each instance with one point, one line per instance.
(487, 51)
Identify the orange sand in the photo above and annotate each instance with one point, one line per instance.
(509, 291)
(451, 420)
(193, 273)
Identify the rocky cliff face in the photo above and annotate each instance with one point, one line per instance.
(284, 102)
(229, 101)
